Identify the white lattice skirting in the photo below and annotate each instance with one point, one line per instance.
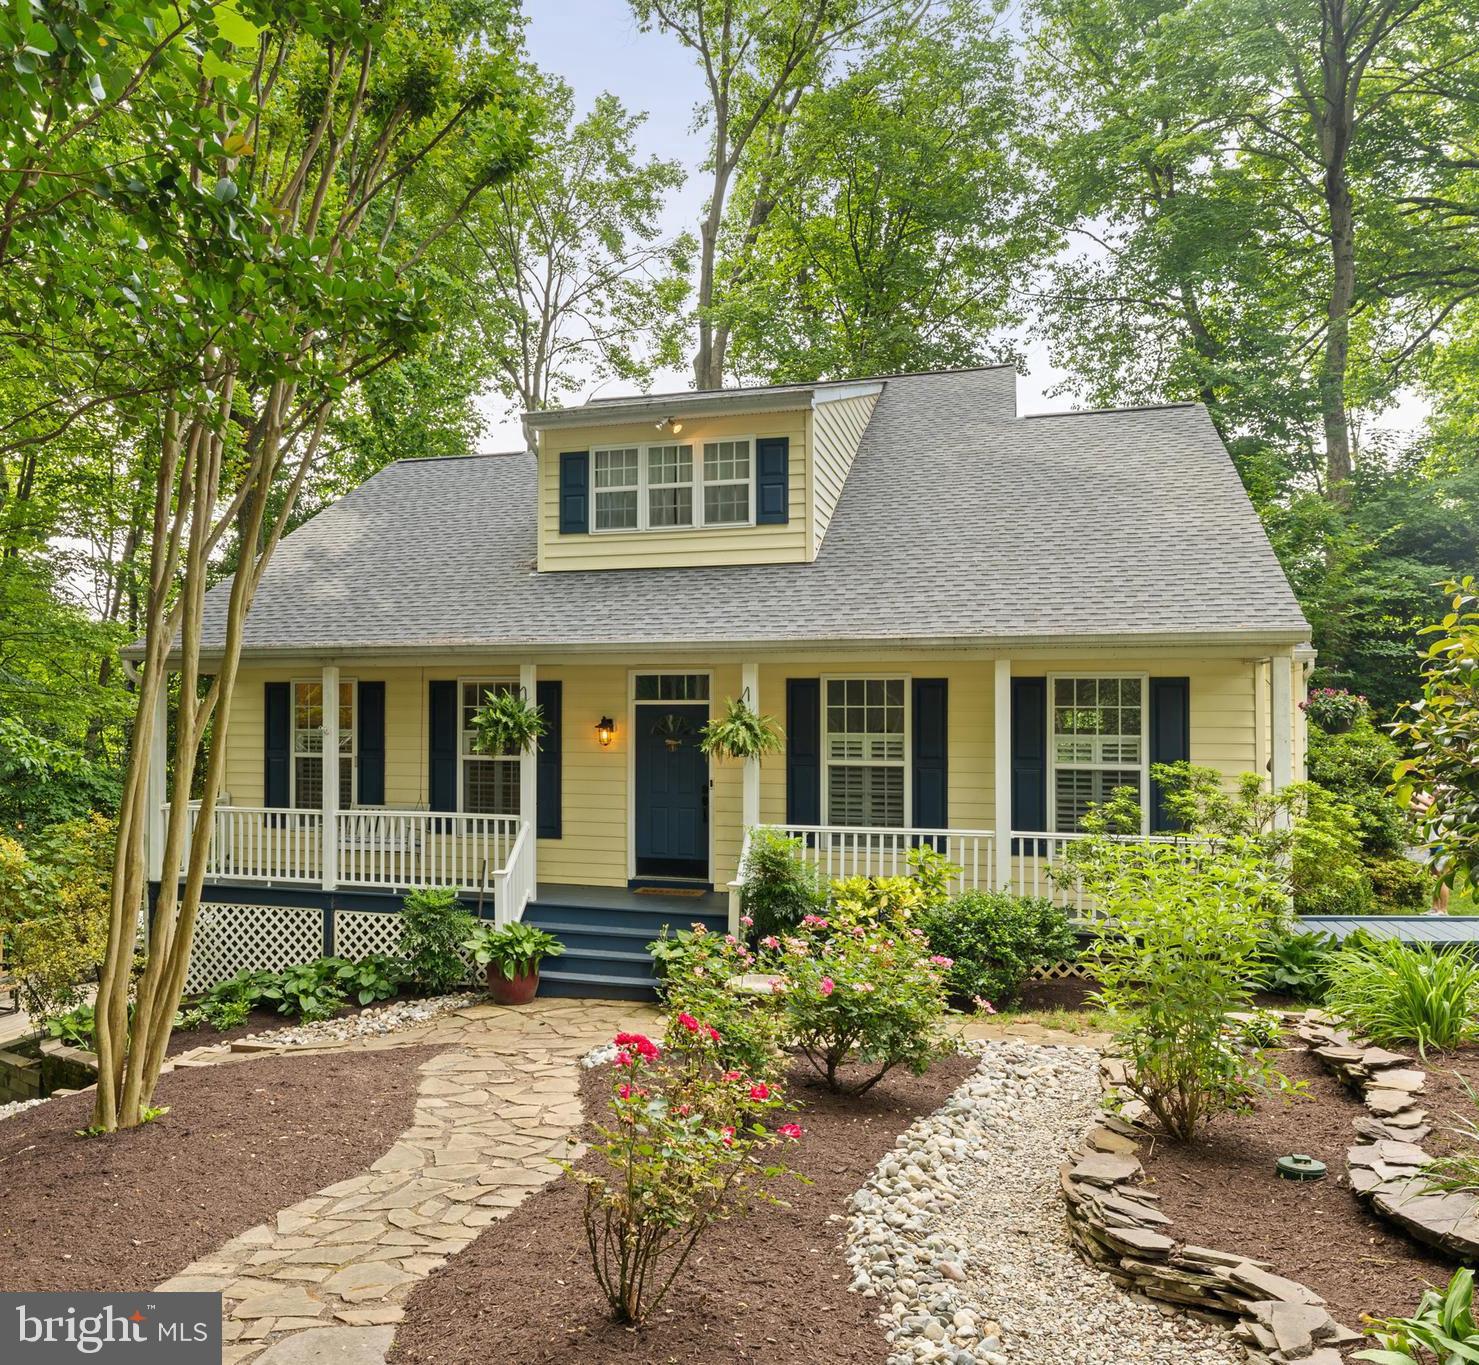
(240, 938)
(360, 932)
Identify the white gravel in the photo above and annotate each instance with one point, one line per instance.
(371, 1023)
(19, 1106)
(960, 1232)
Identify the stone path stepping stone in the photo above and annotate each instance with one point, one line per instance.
(324, 1280)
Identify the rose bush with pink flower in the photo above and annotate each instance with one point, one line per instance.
(685, 1143)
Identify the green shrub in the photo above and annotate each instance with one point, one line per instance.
(1356, 769)
(778, 887)
(996, 940)
(866, 992)
(698, 969)
(77, 1027)
(433, 928)
(1401, 886)
(1175, 945)
(1295, 964)
(1393, 992)
(1441, 1332)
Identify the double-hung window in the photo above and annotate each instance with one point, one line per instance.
(308, 745)
(1098, 744)
(866, 751)
(670, 486)
(489, 782)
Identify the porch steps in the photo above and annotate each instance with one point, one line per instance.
(606, 942)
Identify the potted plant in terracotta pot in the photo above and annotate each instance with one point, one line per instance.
(510, 956)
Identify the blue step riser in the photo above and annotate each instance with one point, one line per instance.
(652, 921)
(596, 990)
(597, 941)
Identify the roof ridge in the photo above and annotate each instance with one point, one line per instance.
(464, 455)
(800, 383)
(1094, 412)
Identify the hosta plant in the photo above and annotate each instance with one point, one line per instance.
(1441, 1332)
(1394, 993)
(513, 949)
(867, 993)
(685, 1143)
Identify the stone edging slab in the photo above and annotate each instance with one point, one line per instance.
(1386, 1164)
(1114, 1223)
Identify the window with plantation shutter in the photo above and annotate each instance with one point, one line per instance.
(490, 782)
(865, 747)
(308, 745)
(1097, 743)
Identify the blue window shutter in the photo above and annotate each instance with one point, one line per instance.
(442, 756)
(931, 753)
(277, 730)
(773, 481)
(548, 820)
(370, 716)
(575, 492)
(803, 751)
(1170, 738)
(1029, 755)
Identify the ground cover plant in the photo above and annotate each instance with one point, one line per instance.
(1295, 963)
(1396, 993)
(684, 1145)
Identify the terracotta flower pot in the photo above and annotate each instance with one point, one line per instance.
(516, 990)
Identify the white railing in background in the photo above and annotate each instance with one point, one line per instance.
(860, 851)
(394, 849)
(513, 883)
(262, 843)
(386, 849)
(1036, 857)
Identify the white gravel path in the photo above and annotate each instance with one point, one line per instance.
(960, 1233)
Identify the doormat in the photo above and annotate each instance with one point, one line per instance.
(692, 892)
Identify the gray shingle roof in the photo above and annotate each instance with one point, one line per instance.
(957, 523)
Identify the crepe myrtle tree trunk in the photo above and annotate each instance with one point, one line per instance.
(239, 439)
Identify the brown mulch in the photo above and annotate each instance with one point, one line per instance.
(1223, 1192)
(1444, 1095)
(768, 1286)
(241, 1141)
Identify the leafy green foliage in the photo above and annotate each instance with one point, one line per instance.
(995, 941)
(433, 928)
(864, 992)
(310, 991)
(377, 976)
(514, 949)
(78, 1027)
(1395, 993)
(1335, 709)
(1295, 963)
(683, 1144)
(778, 885)
(741, 733)
(1456, 1171)
(507, 723)
(1355, 767)
(1175, 944)
(1441, 1332)
(1440, 782)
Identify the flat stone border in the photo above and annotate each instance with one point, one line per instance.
(1386, 1165)
(1115, 1224)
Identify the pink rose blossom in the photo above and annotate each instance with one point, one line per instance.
(940, 960)
(748, 921)
(770, 941)
(790, 1130)
(688, 1022)
(728, 1132)
(759, 1091)
(828, 985)
(730, 1076)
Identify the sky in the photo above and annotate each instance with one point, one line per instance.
(595, 46)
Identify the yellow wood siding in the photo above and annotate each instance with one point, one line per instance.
(1229, 719)
(837, 427)
(790, 543)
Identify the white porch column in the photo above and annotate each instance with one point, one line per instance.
(1001, 741)
(331, 776)
(528, 778)
(157, 786)
(1281, 718)
(750, 797)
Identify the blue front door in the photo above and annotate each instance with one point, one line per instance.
(672, 791)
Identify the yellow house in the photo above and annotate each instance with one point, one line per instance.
(968, 623)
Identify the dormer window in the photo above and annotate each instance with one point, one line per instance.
(667, 486)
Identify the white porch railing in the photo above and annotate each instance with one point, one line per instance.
(513, 883)
(377, 848)
(849, 851)
(1036, 857)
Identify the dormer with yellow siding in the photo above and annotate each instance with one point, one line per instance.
(744, 476)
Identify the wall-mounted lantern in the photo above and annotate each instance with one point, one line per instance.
(605, 729)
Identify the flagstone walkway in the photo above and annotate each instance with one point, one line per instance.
(325, 1281)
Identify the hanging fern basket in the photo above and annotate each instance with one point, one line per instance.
(741, 733)
(506, 723)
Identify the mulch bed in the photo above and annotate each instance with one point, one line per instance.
(767, 1286)
(1444, 1095)
(241, 1141)
(1223, 1192)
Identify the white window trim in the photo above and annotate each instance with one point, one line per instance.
(643, 503)
(908, 761)
(1144, 764)
(463, 758)
(352, 755)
